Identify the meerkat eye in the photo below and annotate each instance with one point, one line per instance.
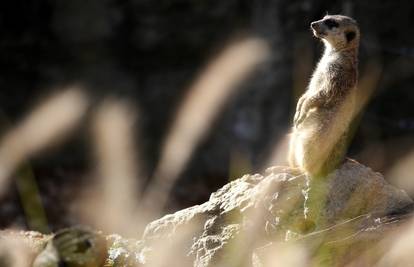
(350, 36)
(331, 23)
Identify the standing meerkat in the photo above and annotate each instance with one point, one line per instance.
(324, 112)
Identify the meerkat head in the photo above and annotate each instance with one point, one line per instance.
(337, 32)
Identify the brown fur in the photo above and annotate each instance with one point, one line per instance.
(324, 112)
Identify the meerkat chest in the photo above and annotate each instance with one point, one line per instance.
(326, 71)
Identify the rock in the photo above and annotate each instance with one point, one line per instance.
(73, 247)
(18, 248)
(257, 211)
(258, 220)
(356, 190)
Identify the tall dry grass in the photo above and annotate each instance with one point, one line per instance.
(111, 203)
(203, 103)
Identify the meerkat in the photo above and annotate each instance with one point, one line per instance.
(319, 137)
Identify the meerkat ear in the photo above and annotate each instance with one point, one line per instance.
(350, 36)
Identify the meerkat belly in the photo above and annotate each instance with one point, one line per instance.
(319, 119)
(320, 132)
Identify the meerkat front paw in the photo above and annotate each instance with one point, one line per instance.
(301, 113)
(307, 104)
(300, 118)
(299, 110)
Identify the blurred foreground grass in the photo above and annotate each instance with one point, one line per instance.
(113, 202)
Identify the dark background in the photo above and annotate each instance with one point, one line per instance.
(149, 52)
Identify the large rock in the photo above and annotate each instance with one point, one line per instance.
(280, 218)
(255, 211)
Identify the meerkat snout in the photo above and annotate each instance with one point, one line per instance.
(337, 31)
(317, 30)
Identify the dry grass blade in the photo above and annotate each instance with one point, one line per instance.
(199, 109)
(367, 84)
(44, 126)
(281, 255)
(16, 250)
(401, 172)
(112, 206)
(399, 247)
